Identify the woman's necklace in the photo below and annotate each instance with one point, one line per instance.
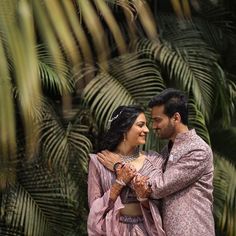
(132, 157)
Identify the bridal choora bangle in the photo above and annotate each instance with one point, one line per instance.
(140, 199)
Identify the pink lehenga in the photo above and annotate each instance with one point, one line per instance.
(104, 217)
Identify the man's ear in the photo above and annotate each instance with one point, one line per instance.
(177, 117)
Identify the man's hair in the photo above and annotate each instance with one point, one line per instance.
(174, 101)
(121, 121)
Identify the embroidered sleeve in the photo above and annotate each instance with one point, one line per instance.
(181, 174)
(103, 213)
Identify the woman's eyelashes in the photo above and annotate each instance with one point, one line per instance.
(141, 125)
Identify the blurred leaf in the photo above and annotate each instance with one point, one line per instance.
(225, 195)
(60, 138)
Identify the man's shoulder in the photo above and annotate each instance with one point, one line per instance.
(191, 143)
(193, 140)
(200, 143)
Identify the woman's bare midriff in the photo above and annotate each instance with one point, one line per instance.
(131, 209)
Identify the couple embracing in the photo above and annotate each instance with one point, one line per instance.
(137, 193)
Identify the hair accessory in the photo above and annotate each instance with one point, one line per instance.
(115, 117)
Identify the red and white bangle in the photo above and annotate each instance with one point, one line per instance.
(140, 199)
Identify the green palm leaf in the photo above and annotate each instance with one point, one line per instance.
(22, 212)
(46, 202)
(197, 121)
(129, 80)
(54, 77)
(188, 61)
(191, 66)
(225, 195)
(216, 24)
(227, 148)
(60, 138)
(225, 94)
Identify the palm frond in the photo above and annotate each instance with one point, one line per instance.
(197, 121)
(129, 80)
(17, 27)
(225, 94)
(227, 148)
(46, 202)
(225, 195)
(55, 77)
(22, 212)
(188, 62)
(7, 120)
(59, 138)
(216, 24)
(191, 66)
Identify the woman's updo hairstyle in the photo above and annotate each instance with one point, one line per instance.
(121, 121)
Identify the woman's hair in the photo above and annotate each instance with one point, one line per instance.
(121, 121)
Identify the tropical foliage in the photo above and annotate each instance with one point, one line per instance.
(66, 65)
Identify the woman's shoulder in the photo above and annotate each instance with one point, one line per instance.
(94, 160)
(152, 154)
(93, 157)
(154, 157)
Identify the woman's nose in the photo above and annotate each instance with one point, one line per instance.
(146, 130)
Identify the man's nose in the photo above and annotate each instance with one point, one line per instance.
(154, 125)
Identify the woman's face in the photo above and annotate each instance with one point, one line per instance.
(138, 132)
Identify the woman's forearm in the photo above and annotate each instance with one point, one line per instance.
(115, 191)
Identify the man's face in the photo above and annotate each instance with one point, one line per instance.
(162, 124)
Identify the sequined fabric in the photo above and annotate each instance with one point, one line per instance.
(131, 219)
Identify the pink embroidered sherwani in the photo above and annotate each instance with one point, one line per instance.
(104, 216)
(186, 187)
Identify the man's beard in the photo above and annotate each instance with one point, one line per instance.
(167, 132)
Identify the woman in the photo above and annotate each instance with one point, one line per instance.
(119, 201)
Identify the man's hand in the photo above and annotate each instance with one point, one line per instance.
(108, 159)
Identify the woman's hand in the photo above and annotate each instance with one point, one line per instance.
(125, 172)
(141, 187)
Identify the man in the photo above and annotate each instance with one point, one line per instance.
(185, 186)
